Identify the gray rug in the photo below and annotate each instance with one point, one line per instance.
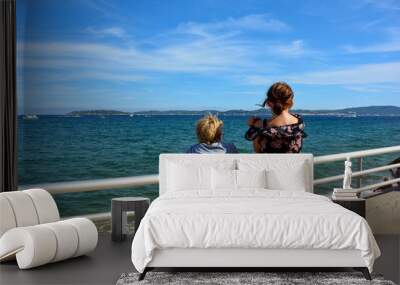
(232, 278)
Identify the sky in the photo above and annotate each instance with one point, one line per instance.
(212, 54)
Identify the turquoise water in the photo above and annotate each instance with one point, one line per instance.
(56, 148)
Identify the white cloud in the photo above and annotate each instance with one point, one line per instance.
(369, 25)
(392, 44)
(375, 88)
(358, 74)
(111, 31)
(357, 78)
(293, 49)
(363, 89)
(203, 55)
(256, 22)
(391, 5)
(258, 80)
(79, 74)
(195, 48)
(198, 56)
(105, 8)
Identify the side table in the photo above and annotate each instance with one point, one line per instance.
(355, 205)
(119, 207)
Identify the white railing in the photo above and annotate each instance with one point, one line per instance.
(355, 154)
(356, 174)
(359, 155)
(94, 185)
(98, 217)
(134, 181)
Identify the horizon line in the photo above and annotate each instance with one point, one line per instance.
(194, 110)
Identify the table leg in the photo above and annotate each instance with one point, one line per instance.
(140, 211)
(116, 221)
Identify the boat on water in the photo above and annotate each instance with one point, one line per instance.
(31, 117)
(348, 115)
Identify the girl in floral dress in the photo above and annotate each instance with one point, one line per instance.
(284, 132)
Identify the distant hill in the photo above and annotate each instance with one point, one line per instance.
(356, 111)
(352, 112)
(96, 113)
(375, 110)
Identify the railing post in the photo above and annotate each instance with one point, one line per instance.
(360, 168)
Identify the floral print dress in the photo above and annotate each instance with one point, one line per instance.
(282, 139)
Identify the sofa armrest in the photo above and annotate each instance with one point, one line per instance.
(32, 246)
(41, 244)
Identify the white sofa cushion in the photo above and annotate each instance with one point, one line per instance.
(23, 208)
(67, 240)
(45, 205)
(32, 246)
(26, 208)
(87, 233)
(7, 218)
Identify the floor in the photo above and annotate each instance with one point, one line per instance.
(389, 262)
(110, 260)
(103, 266)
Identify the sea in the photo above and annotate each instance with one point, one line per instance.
(61, 148)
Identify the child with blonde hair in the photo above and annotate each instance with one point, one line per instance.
(209, 135)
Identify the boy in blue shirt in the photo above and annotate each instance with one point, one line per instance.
(209, 135)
